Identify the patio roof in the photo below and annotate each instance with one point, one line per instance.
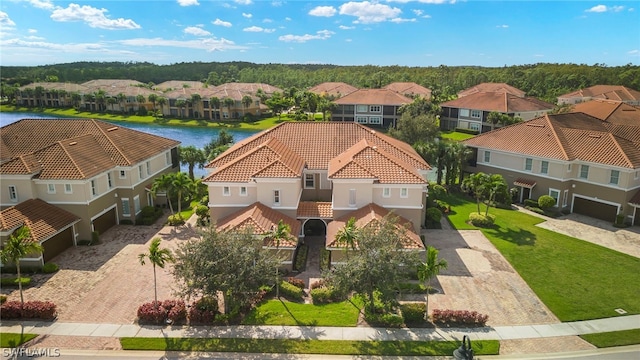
(527, 183)
(314, 209)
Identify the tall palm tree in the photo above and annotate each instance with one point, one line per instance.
(164, 183)
(122, 98)
(75, 99)
(430, 269)
(347, 235)
(112, 101)
(100, 97)
(39, 93)
(494, 184)
(214, 102)
(157, 257)
(181, 104)
(476, 184)
(246, 102)
(18, 245)
(229, 102)
(191, 156)
(90, 99)
(162, 101)
(195, 100)
(182, 185)
(281, 232)
(153, 98)
(140, 99)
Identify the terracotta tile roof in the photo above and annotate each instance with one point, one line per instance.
(496, 101)
(374, 97)
(43, 220)
(614, 112)
(570, 136)
(262, 220)
(371, 215)
(409, 89)
(528, 183)
(68, 87)
(269, 159)
(492, 87)
(319, 142)
(635, 200)
(76, 148)
(104, 83)
(366, 161)
(336, 89)
(609, 92)
(247, 88)
(315, 209)
(21, 165)
(179, 84)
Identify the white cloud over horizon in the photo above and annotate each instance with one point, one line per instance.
(320, 35)
(369, 12)
(93, 17)
(323, 11)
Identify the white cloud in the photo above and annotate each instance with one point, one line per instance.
(5, 21)
(424, 1)
(369, 12)
(418, 12)
(209, 44)
(402, 20)
(276, 3)
(68, 47)
(617, 8)
(287, 18)
(267, 21)
(344, 27)
(219, 22)
(258, 29)
(93, 17)
(503, 26)
(196, 30)
(243, 2)
(188, 2)
(320, 35)
(31, 37)
(247, 15)
(597, 8)
(325, 11)
(605, 8)
(42, 4)
(634, 52)
(32, 31)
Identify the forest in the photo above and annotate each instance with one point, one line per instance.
(543, 80)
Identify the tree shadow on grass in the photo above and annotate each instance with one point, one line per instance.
(517, 236)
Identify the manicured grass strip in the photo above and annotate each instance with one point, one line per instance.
(276, 312)
(614, 338)
(576, 279)
(329, 347)
(11, 340)
(455, 135)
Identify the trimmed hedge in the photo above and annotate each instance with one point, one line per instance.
(531, 202)
(325, 295)
(175, 220)
(413, 313)
(13, 281)
(459, 317)
(161, 312)
(291, 292)
(148, 215)
(50, 268)
(481, 220)
(384, 320)
(296, 282)
(301, 257)
(467, 131)
(44, 310)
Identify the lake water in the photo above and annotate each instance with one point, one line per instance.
(196, 136)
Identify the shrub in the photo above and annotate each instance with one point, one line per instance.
(467, 131)
(95, 237)
(175, 220)
(205, 200)
(204, 216)
(176, 311)
(152, 313)
(481, 220)
(536, 210)
(325, 259)
(296, 282)
(44, 310)
(433, 218)
(459, 317)
(203, 311)
(148, 215)
(619, 219)
(301, 257)
(530, 202)
(546, 201)
(443, 206)
(412, 288)
(291, 292)
(324, 295)
(436, 191)
(384, 320)
(13, 281)
(3, 299)
(318, 284)
(50, 268)
(413, 313)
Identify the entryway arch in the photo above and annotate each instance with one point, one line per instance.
(314, 227)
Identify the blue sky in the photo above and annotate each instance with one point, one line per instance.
(394, 32)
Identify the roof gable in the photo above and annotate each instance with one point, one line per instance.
(498, 101)
(43, 220)
(374, 97)
(492, 87)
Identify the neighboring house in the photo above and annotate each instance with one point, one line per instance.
(604, 92)
(410, 89)
(492, 87)
(99, 172)
(471, 111)
(589, 165)
(309, 174)
(179, 84)
(54, 94)
(614, 112)
(334, 90)
(373, 107)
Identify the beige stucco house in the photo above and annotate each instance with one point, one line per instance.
(602, 92)
(309, 174)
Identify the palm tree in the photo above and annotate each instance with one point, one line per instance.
(89, 99)
(214, 102)
(153, 98)
(100, 99)
(246, 102)
(428, 270)
(163, 183)
(278, 234)
(494, 185)
(122, 98)
(112, 101)
(157, 257)
(476, 184)
(181, 104)
(229, 102)
(18, 245)
(348, 235)
(140, 99)
(195, 100)
(39, 93)
(191, 156)
(162, 101)
(182, 184)
(75, 99)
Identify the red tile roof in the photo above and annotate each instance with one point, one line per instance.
(374, 97)
(409, 89)
(315, 209)
(42, 219)
(261, 220)
(614, 112)
(336, 89)
(635, 200)
(371, 215)
(610, 92)
(492, 87)
(500, 102)
(528, 183)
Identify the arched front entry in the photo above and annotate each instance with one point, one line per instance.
(315, 227)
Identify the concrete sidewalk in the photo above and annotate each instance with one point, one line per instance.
(326, 333)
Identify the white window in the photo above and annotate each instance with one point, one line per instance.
(474, 126)
(375, 120)
(352, 197)
(13, 193)
(94, 191)
(126, 210)
(584, 171)
(123, 174)
(565, 198)
(362, 108)
(68, 189)
(109, 182)
(464, 112)
(148, 168)
(276, 197)
(487, 156)
(51, 188)
(528, 164)
(375, 108)
(555, 194)
(362, 119)
(167, 158)
(226, 191)
(140, 173)
(136, 204)
(404, 193)
(544, 167)
(386, 192)
(243, 191)
(476, 114)
(615, 177)
(309, 181)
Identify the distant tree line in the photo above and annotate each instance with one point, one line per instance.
(545, 81)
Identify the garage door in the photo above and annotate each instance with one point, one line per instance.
(105, 221)
(595, 209)
(57, 244)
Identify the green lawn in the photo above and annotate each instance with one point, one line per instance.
(614, 338)
(455, 136)
(186, 213)
(11, 340)
(576, 279)
(337, 347)
(277, 312)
